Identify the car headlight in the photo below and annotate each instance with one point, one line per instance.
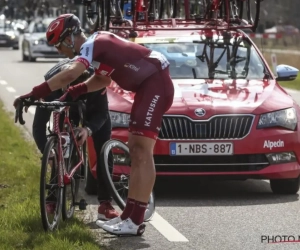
(119, 119)
(11, 35)
(36, 42)
(286, 118)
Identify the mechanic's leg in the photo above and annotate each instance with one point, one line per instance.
(41, 117)
(142, 175)
(99, 138)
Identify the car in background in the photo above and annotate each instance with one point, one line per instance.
(230, 118)
(34, 44)
(19, 25)
(9, 38)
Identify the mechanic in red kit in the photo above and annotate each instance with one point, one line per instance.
(134, 68)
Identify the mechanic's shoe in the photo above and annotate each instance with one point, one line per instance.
(106, 211)
(111, 222)
(50, 207)
(124, 228)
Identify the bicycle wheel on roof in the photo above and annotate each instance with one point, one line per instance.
(98, 14)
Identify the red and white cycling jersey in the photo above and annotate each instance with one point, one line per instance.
(127, 63)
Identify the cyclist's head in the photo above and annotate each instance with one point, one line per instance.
(62, 27)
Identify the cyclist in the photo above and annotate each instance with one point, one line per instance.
(134, 68)
(98, 126)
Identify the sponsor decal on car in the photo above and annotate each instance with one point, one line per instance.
(273, 144)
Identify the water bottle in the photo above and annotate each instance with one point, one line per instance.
(65, 141)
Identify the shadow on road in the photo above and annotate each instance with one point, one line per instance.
(193, 191)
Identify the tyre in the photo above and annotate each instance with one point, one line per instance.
(70, 193)
(252, 12)
(156, 9)
(285, 186)
(98, 14)
(115, 152)
(51, 193)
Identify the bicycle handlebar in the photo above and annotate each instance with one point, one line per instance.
(48, 105)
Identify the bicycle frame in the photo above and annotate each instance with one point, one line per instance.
(64, 176)
(58, 108)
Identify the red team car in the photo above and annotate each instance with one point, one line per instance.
(229, 118)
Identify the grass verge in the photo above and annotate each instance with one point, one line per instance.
(20, 221)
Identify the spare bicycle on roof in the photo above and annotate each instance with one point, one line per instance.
(141, 15)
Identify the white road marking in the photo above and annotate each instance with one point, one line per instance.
(2, 82)
(10, 89)
(166, 229)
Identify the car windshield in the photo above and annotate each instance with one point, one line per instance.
(5, 25)
(212, 59)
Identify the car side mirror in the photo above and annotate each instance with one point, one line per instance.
(286, 73)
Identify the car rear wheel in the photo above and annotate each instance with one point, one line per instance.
(285, 186)
(30, 58)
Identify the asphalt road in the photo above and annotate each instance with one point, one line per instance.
(191, 214)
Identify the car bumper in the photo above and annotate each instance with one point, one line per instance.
(9, 43)
(249, 159)
(46, 54)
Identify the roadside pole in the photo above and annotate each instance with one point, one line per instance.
(274, 63)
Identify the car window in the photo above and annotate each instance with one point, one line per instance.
(213, 60)
(39, 26)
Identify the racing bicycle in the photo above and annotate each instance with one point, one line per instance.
(59, 195)
(106, 14)
(63, 164)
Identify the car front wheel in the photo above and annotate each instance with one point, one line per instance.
(285, 186)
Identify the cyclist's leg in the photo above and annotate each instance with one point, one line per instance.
(149, 106)
(151, 101)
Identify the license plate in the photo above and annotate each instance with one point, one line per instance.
(2, 41)
(207, 148)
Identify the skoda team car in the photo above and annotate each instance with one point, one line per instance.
(34, 44)
(229, 117)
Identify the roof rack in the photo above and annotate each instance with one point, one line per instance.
(182, 24)
(142, 15)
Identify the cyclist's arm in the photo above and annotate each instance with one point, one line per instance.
(97, 82)
(65, 77)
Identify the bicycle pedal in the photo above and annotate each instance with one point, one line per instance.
(81, 204)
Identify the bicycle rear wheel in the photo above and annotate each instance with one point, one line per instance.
(50, 192)
(252, 12)
(116, 171)
(70, 193)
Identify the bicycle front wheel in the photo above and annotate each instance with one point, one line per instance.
(50, 192)
(115, 166)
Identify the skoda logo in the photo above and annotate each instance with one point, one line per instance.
(200, 112)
